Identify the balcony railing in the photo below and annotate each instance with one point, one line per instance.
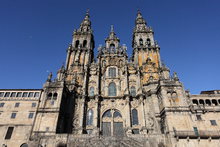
(201, 134)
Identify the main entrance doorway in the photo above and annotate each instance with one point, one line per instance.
(112, 123)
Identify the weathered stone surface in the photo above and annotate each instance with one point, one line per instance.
(111, 101)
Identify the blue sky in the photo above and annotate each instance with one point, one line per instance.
(34, 36)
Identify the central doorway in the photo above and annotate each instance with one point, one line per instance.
(112, 123)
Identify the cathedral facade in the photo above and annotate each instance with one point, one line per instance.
(112, 100)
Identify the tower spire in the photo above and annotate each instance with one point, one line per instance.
(112, 35)
(86, 23)
(140, 19)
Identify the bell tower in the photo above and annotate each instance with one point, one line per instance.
(80, 52)
(145, 50)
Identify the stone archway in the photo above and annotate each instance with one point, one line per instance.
(112, 123)
(24, 145)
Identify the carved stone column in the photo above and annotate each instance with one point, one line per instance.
(78, 116)
(128, 115)
(141, 102)
(96, 116)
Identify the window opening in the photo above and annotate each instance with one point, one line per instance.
(134, 117)
(89, 120)
(9, 133)
(112, 89)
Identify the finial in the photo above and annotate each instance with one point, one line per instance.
(49, 77)
(138, 10)
(87, 11)
(112, 28)
(175, 77)
(139, 15)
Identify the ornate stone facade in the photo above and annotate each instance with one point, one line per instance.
(116, 101)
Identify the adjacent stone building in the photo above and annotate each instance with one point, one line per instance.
(111, 100)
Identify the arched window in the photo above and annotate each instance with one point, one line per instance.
(24, 145)
(77, 43)
(112, 89)
(168, 94)
(112, 47)
(103, 63)
(55, 96)
(61, 145)
(107, 114)
(133, 91)
(214, 102)
(89, 117)
(121, 63)
(208, 102)
(201, 102)
(148, 42)
(117, 114)
(141, 42)
(91, 91)
(174, 95)
(49, 96)
(195, 102)
(84, 43)
(112, 72)
(134, 117)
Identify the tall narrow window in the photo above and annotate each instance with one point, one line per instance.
(54, 96)
(196, 131)
(91, 91)
(141, 42)
(112, 47)
(77, 43)
(89, 117)
(84, 43)
(134, 117)
(112, 89)
(148, 42)
(49, 96)
(112, 72)
(133, 91)
(9, 133)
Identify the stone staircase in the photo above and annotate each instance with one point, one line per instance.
(107, 142)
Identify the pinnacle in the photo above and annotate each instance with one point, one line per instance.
(139, 15)
(139, 18)
(112, 34)
(112, 28)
